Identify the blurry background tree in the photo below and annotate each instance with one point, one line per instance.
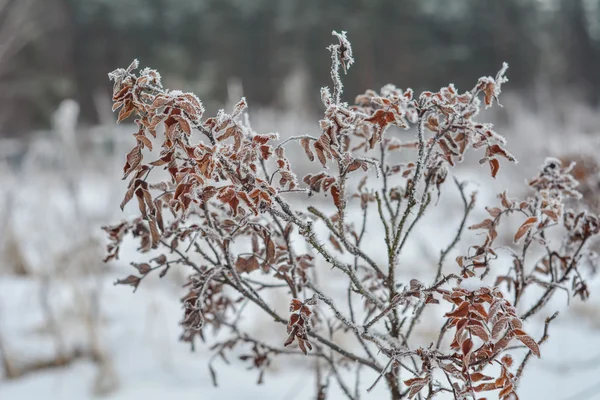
(53, 49)
(35, 64)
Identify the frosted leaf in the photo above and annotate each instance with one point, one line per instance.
(221, 116)
(345, 49)
(117, 74)
(326, 96)
(491, 87)
(239, 107)
(270, 135)
(153, 76)
(133, 66)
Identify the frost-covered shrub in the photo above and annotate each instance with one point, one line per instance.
(228, 187)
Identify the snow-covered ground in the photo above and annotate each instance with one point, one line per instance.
(140, 335)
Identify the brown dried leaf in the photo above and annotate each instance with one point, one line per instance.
(530, 343)
(126, 111)
(319, 149)
(415, 384)
(467, 346)
(244, 264)
(335, 243)
(552, 214)
(494, 166)
(134, 158)
(239, 108)
(461, 312)
(154, 232)
(141, 138)
(499, 327)
(477, 376)
(335, 193)
(128, 196)
(484, 387)
(131, 280)
(485, 224)
(480, 332)
(493, 211)
(496, 149)
(143, 268)
(184, 125)
(290, 339)
(305, 142)
(354, 165)
(303, 344)
(527, 225)
(270, 250)
(141, 203)
(265, 151)
(381, 117)
(506, 391)
(229, 132)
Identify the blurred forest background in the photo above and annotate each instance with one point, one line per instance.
(56, 49)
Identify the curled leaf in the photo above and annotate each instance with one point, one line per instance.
(526, 227)
(495, 167)
(131, 280)
(305, 142)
